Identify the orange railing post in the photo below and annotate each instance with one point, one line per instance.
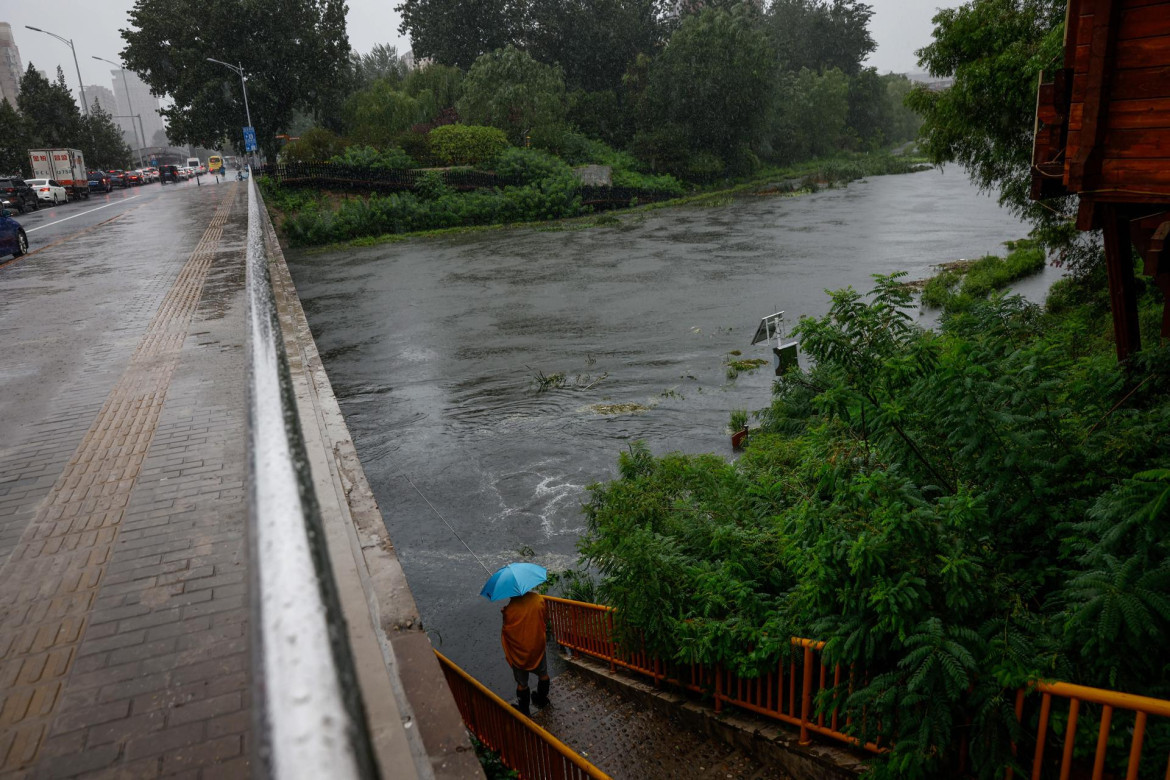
(806, 696)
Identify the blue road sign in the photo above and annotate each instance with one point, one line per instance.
(249, 139)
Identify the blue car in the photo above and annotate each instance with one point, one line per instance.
(13, 240)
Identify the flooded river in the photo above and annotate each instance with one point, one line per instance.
(436, 348)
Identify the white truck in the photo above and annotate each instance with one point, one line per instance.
(65, 166)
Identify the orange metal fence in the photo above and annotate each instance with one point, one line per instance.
(523, 746)
(1110, 701)
(788, 694)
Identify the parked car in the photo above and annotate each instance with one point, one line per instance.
(168, 173)
(118, 178)
(13, 240)
(48, 190)
(17, 195)
(99, 181)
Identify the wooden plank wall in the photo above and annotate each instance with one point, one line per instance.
(1135, 135)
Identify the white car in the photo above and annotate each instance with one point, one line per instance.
(48, 190)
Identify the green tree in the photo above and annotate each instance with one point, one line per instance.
(867, 107)
(594, 41)
(510, 90)
(458, 32)
(51, 117)
(819, 35)
(377, 114)
(444, 82)
(994, 50)
(101, 140)
(713, 81)
(295, 54)
(15, 141)
(380, 62)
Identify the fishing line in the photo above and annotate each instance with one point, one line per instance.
(452, 530)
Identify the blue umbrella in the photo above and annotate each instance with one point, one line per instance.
(515, 579)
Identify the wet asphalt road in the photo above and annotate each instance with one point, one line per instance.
(434, 347)
(51, 224)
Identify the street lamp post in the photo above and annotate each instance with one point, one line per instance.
(129, 107)
(239, 69)
(84, 104)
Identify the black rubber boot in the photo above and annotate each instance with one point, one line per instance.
(522, 701)
(540, 698)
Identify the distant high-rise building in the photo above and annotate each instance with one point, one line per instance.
(141, 101)
(102, 95)
(10, 68)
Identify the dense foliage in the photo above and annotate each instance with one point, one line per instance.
(466, 144)
(45, 116)
(295, 54)
(958, 288)
(955, 512)
(431, 206)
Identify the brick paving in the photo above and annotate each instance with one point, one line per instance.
(124, 645)
(626, 739)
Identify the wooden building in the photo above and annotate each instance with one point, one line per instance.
(1103, 133)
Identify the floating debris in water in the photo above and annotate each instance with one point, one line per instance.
(611, 409)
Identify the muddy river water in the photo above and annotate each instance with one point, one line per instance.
(436, 348)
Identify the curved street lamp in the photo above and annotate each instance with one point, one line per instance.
(130, 106)
(84, 104)
(239, 70)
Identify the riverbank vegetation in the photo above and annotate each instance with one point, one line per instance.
(669, 100)
(542, 188)
(963, 282)
(955, 511)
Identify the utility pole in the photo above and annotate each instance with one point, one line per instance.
(84, 103)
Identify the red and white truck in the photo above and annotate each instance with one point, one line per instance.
(66, 166)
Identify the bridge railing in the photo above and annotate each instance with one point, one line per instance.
(523, 746)
(790, 693)
(312, 721)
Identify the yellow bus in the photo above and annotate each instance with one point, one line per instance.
(215, 164)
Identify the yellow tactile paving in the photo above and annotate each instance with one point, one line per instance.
(49, 584)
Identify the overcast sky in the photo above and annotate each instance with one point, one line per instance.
(898, 26)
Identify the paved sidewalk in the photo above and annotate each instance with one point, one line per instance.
(124, 643)
(626, 739)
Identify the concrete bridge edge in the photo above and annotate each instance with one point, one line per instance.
(412, 716)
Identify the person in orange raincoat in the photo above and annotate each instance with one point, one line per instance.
(524, 640)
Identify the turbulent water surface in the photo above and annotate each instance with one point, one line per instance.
(436, 348)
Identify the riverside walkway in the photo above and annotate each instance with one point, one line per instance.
(128, 590)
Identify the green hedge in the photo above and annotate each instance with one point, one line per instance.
(466, 144)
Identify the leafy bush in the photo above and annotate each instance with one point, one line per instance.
(529, 165)
(643, 181)
(957, 289)
(359, 156)
(315, 145)
(466, 144)
(955, 513)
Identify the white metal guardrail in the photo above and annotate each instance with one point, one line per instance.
(311, 722)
